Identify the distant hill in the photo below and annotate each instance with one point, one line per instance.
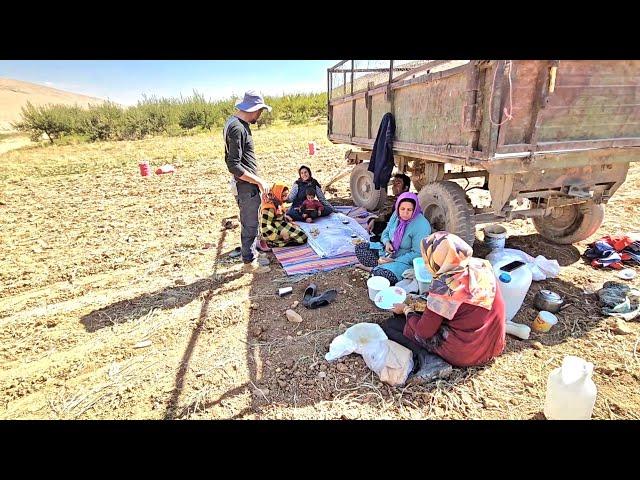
(15, 93)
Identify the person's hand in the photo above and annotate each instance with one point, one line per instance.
(285, 235)
(264, 190)
(389, 248)
(398, 308)
(369, 226)
(383, 260)
(288, 218)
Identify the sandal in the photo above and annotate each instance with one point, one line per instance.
(322, 300)
(309, 293)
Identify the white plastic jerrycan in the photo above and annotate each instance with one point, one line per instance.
(571, 394)
(514, 280)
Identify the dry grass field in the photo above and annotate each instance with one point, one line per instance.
(96, 259)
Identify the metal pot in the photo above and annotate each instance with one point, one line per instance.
(548, 300)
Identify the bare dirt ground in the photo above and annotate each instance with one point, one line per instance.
(97, 259)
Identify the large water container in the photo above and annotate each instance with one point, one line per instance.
(571, 394)
(513, 285)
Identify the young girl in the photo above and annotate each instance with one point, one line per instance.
(276, 228)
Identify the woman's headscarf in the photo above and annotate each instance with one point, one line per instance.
(311, 182)
(457, 276)
(275, 198)
(402, 224)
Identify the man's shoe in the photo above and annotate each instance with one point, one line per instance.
(255, 267)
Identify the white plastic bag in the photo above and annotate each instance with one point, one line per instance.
(541, 267)
(375, 355)
(355, 340)
(398, 364)
(389, 360)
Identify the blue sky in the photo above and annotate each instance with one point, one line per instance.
(124, 81)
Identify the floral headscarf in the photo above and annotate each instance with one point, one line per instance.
(457, 276)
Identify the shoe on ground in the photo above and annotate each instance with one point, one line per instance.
(255, 267)
(431, 367)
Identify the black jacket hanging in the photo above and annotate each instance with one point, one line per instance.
(381, 162)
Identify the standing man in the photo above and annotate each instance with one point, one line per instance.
(248, 188)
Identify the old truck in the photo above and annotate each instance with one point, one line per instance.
(549, 140)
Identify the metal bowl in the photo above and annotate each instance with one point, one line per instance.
(548, 300)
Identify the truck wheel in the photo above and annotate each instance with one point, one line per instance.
(445, 206)
(570, 224)
(363, 191)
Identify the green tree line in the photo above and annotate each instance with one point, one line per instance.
(158, 116)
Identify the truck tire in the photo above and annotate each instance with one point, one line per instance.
(445, 205)
(363, 191)
(570, 224)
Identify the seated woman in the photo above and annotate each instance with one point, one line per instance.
(377, 223)
(299, 194)
(464, 322)
(401, 239)
(276, 228)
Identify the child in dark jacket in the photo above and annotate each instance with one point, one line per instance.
(311, 208)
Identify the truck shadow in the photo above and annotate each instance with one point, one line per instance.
(534, 245)
(286, 362)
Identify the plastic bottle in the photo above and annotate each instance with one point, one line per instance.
(571, 394)
(513, 285)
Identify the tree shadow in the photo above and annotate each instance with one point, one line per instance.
(165, 299)
(172, 410)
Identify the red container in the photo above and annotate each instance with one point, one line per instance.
(312, 148)
(145, 170)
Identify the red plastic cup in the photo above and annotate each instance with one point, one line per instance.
(145, 170)
(312, 148)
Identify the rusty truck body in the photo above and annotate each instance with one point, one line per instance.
(549, 140)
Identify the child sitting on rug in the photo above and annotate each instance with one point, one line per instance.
(311, 208)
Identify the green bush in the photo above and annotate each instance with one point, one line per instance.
(104, 122)
(159, 116)
(54, 121)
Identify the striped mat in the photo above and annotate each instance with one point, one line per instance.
(303, 259)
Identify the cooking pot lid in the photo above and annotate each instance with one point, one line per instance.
(550, 296)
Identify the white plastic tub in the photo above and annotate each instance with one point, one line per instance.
(375, 284)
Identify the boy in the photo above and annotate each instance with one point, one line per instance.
(311, 208)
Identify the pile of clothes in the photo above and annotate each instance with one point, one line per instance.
(613, 250)
(618, 300)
